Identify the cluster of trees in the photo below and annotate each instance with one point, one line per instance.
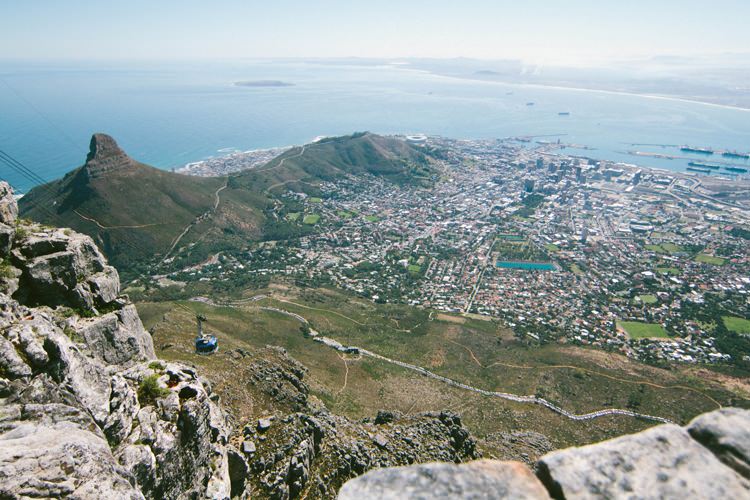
(712, 312)
(520, 250)
(740, 232)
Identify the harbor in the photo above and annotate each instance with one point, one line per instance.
(723, 162)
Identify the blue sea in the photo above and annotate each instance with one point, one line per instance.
(168, 115)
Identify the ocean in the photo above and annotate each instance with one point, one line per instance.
(168, 115)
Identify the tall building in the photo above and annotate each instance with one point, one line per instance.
(528, 185)
(637, 177)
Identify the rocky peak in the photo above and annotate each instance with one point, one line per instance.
(105, 156)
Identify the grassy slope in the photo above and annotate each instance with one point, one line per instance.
(331, 158)
(163, 202)
(477, 352)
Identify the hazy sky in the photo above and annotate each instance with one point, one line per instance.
(566, 31)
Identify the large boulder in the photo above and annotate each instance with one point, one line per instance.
(482, 479)
(662, 462)
(63, 268)
(726, 432)
(117, 337)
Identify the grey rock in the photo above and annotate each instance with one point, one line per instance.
(54, 451)
(26, 336)
(117, 337)
(482, 479)
(7, 233)
(386, 417)
(238, 473)
(139, 460)
(380, 440)
(264, 424)
(43, 242)
(248, 447)
(86, 378)
(123, 406)
(8, 205)
(61, 267)
(661, 462)
(105, 285)
(726, 432)
(11, 364)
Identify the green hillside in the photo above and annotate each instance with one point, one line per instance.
(331, 158)
(132, 210)
(143, 217)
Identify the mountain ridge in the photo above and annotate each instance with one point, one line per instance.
(138, 213)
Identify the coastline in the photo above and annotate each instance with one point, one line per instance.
(578, 89)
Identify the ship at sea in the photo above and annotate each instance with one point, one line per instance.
(564, 113)
(700, 170)
(735, 154)
(739, 170)
(712, 166)
(691, 149)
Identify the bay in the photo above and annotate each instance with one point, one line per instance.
(171, 114)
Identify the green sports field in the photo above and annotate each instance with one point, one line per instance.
(638, 330)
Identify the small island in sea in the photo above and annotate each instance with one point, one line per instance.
(263, 83)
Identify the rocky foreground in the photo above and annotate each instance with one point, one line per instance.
(709, 458)
(88, 411)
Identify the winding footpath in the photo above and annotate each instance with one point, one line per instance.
(460, 385)
(217, 200)
(102, 226)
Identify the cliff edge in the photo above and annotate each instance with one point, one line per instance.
(86, 410)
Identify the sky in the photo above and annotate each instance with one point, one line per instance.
(536, 31)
